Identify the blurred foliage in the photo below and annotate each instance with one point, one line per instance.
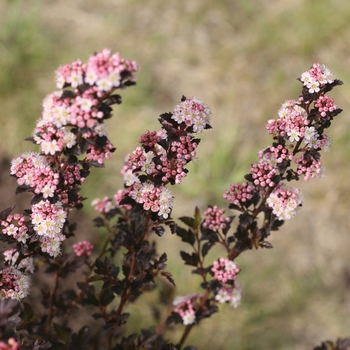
(242, 57)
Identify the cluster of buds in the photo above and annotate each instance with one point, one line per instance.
(103, 205)
(83, 248)
(214, 218)
(162, 157)
(299, 136)
(72, 136)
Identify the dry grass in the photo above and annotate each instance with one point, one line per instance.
(242, 57)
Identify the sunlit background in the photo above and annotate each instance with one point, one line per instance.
(242, 57)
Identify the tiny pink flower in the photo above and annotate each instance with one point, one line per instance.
(83, 248)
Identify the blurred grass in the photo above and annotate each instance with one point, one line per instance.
(242, 57)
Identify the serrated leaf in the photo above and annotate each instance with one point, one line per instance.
(22, 188)
(159, 230)
(112, 213)
(99, 222)
(80, 339)
(7, 239)
(173, 318)
(113, 99)
(172, 225)
(276, 224)
(190, 222)
(231, 239)
(106, 268)
(190, 259)
(163, 258)
(234, 206)
(168, 277)
(63, 333)
(89, 290)
(5, 213)
(265, 244)
(186, 235)
(96, 164)
(206, 248)
(106, 296)
(41, 345)
(343, 344)
(52, 268)
(27, 312)
(95, 278)
(67, 94)
(30, 139)
(97, 315)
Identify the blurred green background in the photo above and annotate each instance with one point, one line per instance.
(242, 57)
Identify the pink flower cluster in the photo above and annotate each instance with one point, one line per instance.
(262, 175)
(239, 194)
(83, 248)
(103, 205)
(71, 125)
(325, 104)
(157, 199)
(317, 77)
(48, 220)
(34, 171)
(299, 136)
(214, 219)
(10, 345)
(70, 115)
(14, 225)
(14, 284)
(185, 306)
(291, 122)
(275, 155)
(26, 264)
(15, 279)
(285, 201)
(103, 72)
(225, 270)
(309, 167)
(193, 113)
(162, 157)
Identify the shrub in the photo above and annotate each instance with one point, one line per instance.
(72, 138)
